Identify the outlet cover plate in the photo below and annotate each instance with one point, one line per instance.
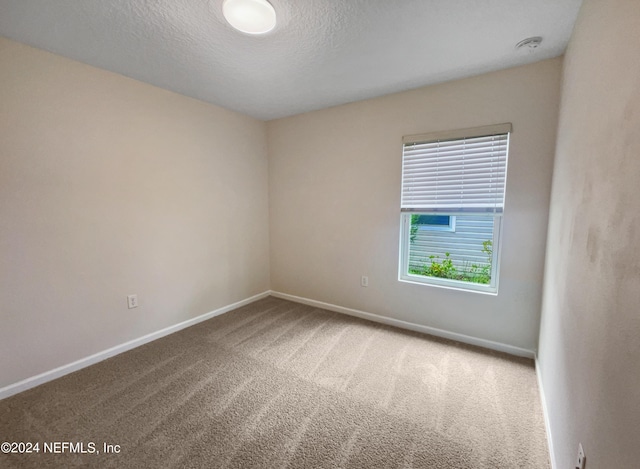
(581, 459)
(132, 301)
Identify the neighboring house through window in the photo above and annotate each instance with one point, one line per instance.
(434, 222)
(453, 191)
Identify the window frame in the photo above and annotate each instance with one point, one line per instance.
(405, 276)
(496, 214)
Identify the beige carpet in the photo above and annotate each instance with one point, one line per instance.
(276, 384)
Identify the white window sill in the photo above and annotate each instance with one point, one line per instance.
(450, 285)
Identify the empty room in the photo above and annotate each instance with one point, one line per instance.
(320, 234)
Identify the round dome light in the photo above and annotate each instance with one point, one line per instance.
(250, 16)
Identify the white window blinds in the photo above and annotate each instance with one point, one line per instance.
(461, 171)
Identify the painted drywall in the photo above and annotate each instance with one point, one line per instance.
(108, 187)
(590, 333)
(334, 194)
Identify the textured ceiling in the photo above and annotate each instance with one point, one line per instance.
(321, 53)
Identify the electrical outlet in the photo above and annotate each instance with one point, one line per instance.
(364, 281)
(132, 301)
(580, 462)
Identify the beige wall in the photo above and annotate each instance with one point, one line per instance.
(590, 333)
(334, 191)
(108, 187)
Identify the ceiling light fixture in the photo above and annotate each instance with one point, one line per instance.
(250, 16)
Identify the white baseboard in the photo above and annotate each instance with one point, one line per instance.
(545, 413)
(510, 349)
(50, 375)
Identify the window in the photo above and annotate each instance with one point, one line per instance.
(434, 222)
(453, 192)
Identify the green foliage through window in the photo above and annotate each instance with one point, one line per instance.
(445, 268)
